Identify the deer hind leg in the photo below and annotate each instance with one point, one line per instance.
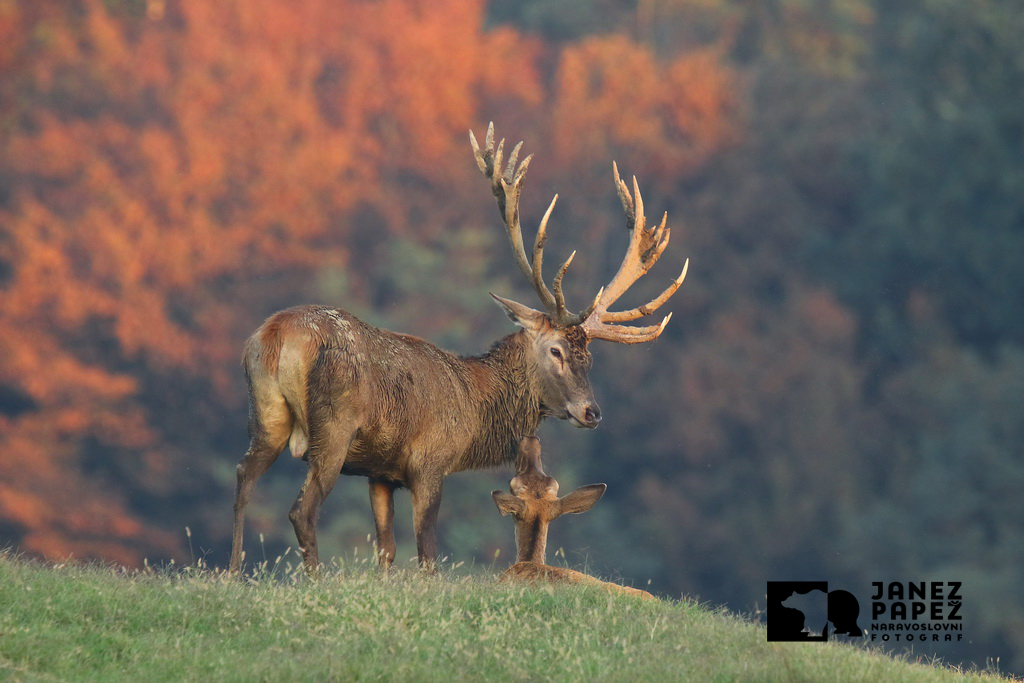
(382, 502)
(269, 428)
(329, 447)
(426, 501)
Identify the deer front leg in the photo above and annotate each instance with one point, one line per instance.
(382, 501)
(426, 500)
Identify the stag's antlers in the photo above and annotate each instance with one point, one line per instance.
(645, 248)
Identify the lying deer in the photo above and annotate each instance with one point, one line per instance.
(534, 504)
(353, 399)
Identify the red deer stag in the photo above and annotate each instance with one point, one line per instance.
(534, 504)
(353, 399)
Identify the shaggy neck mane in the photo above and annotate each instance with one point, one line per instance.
(510, 408)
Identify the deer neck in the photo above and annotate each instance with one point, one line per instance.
(513, 384)
(509, 402)
(531, 540)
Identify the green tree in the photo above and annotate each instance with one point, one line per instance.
(940, 202)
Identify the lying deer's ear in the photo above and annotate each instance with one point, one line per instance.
(508, 504)
(582, 499)
(522, 315)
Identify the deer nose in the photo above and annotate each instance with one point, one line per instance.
(592, 415)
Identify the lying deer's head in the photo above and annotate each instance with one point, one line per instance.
(559, 338)
(534, 502)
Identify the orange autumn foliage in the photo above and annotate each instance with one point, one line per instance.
(615, 95)
(164, 162)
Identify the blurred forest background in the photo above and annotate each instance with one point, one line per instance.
(838, 396)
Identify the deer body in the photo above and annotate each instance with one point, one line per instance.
(406, 395)
(350, 398)
(536, 572)
(353, 399)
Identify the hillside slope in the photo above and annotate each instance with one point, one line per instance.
(91, 623)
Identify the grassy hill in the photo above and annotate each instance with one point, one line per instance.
(94, 623)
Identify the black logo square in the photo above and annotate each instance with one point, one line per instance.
(789, 624)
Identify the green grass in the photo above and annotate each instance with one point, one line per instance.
(84, 622)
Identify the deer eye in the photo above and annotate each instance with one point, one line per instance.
(556, 352)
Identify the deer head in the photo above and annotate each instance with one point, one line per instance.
(534, 502)
(561, 338)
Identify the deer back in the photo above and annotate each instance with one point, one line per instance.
(417, 405)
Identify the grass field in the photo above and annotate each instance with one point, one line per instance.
(86, 622)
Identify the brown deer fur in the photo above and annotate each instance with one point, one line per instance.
(534, 504)
(353, 399)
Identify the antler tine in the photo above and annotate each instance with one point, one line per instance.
(541, 239)
(627, 335)
(513, 158)
(478, 154)
(624, 197)
(639, 218)
(562, 313)
(651, 306)
(646, 246)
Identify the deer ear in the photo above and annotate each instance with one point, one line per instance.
(521, 315)
(582, 499)
(508, 504)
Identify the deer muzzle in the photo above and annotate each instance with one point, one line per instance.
(587, 416)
